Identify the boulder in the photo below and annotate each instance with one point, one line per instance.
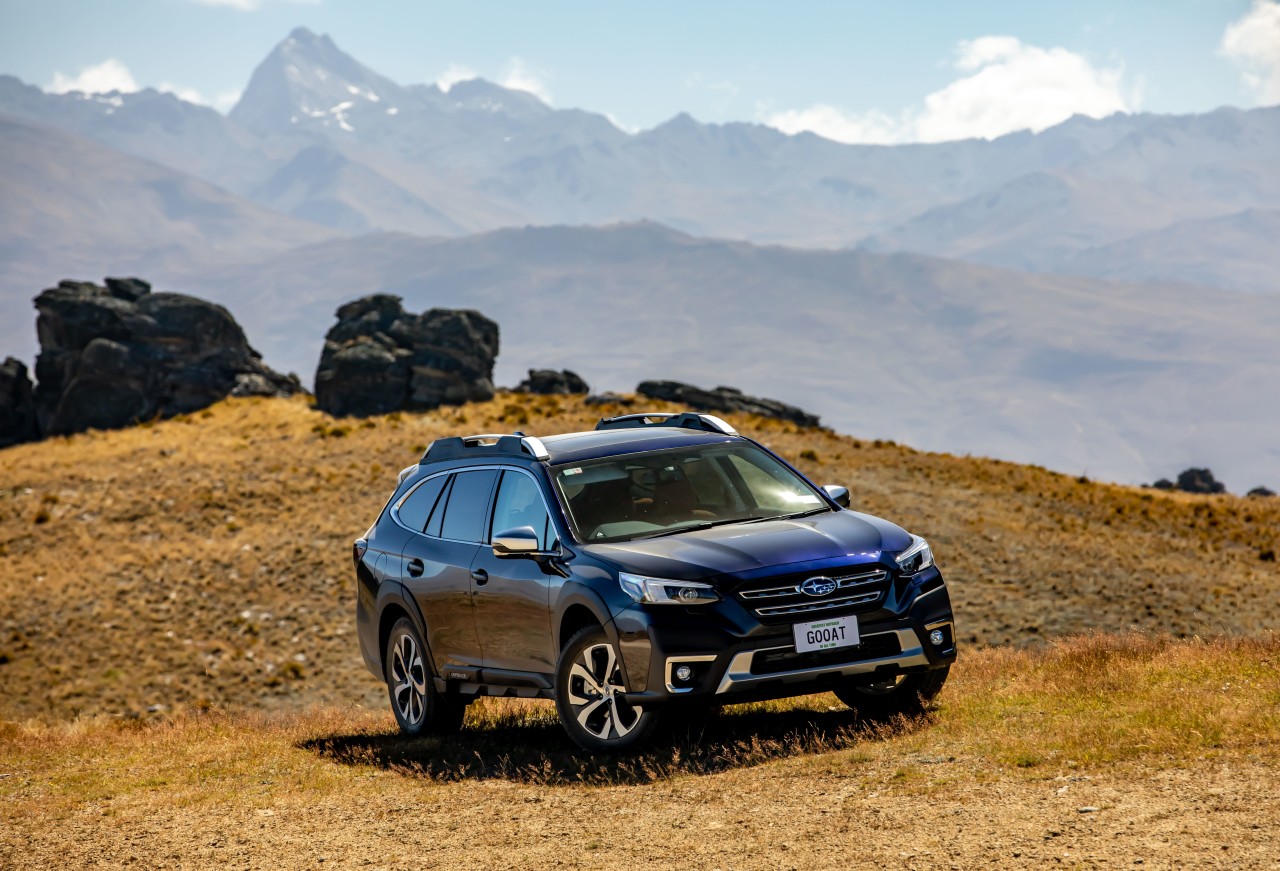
(1199, 481)
(549, 381)
(609, 398)
(378, 358)
(115, 355)
(724, 399)
(17, 404)
(1261, 492)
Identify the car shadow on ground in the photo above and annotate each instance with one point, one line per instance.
(540, 752)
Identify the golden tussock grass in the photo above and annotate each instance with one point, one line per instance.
(203, 562)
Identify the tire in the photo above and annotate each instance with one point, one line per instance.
(905, 694)
(411, 687)
(588, 677)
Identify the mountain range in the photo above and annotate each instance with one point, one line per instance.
(1106, 300)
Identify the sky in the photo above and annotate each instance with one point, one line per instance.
(854, 70)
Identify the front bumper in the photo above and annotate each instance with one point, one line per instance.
(734, 658)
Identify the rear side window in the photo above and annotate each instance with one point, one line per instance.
(416, 508)
(519, 503)
(466, 511)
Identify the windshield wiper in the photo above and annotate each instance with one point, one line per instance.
(794, 516)
(692, 527)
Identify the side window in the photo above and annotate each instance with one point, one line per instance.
(416, 507)
(468, 504)
(519, 503)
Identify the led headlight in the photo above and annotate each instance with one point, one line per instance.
(917, 557)
(657, 591)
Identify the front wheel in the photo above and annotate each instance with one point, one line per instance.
(419, 708)
(589, 688)
(903, 694)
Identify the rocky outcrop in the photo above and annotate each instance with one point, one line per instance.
(379, 358)
(114, 355)
(1261, 493)
(1199, 481)
(609, 398)
(1192, 481)
(549, 382)
(724, 399)
(17, 404)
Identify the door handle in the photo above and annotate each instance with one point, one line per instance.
(416, 568)
(480, 576)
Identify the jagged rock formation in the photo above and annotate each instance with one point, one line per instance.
(17, 404)
(549, 381)
(379, 358)
(1192, 481)
(115, 355)
(724, 399)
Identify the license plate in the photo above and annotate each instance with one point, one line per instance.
(826, 634)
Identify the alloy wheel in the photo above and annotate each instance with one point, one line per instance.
(595, 693)
(409, 680)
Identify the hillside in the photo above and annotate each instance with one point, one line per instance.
(1125, 382)
(205, 562)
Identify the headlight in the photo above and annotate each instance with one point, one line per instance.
(917, 557)
(656, 591)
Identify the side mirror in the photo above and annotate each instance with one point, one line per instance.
(838, 494)
(520, 541)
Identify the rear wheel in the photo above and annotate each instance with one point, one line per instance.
(589, 688)
(902, 694)
(419, 708)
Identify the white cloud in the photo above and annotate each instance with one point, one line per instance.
(872, 128)
(191, 95)
(453, 74)
(1253, 44)
(110, 75)
(1008, 86)
(520, 77)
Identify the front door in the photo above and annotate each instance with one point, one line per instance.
(513, 595)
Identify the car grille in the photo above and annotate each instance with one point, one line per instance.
(872, 647)
(778, 599)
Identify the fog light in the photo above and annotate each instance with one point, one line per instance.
(936, 637)
(683, 672)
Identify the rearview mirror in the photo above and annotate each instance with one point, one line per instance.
(516, 542)
(838, 494)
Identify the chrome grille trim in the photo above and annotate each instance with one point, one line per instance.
(841, 583)
(823, 605)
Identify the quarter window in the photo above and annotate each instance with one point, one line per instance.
(416, 507)
(468, 505)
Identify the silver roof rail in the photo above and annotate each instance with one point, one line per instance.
(683, 419)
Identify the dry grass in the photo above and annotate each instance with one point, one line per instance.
(203, 562)
(1158, 736)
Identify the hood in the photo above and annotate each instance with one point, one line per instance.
(839, 538)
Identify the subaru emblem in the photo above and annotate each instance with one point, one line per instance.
(818, 587)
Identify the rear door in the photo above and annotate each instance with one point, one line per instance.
(513, 604)
(438, 558)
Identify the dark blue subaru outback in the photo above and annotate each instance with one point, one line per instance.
(659, 561)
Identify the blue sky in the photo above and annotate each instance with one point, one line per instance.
(860, 71)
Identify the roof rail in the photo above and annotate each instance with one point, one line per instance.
(683, 420)
(485, 445)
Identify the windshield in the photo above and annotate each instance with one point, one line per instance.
(667, 492)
